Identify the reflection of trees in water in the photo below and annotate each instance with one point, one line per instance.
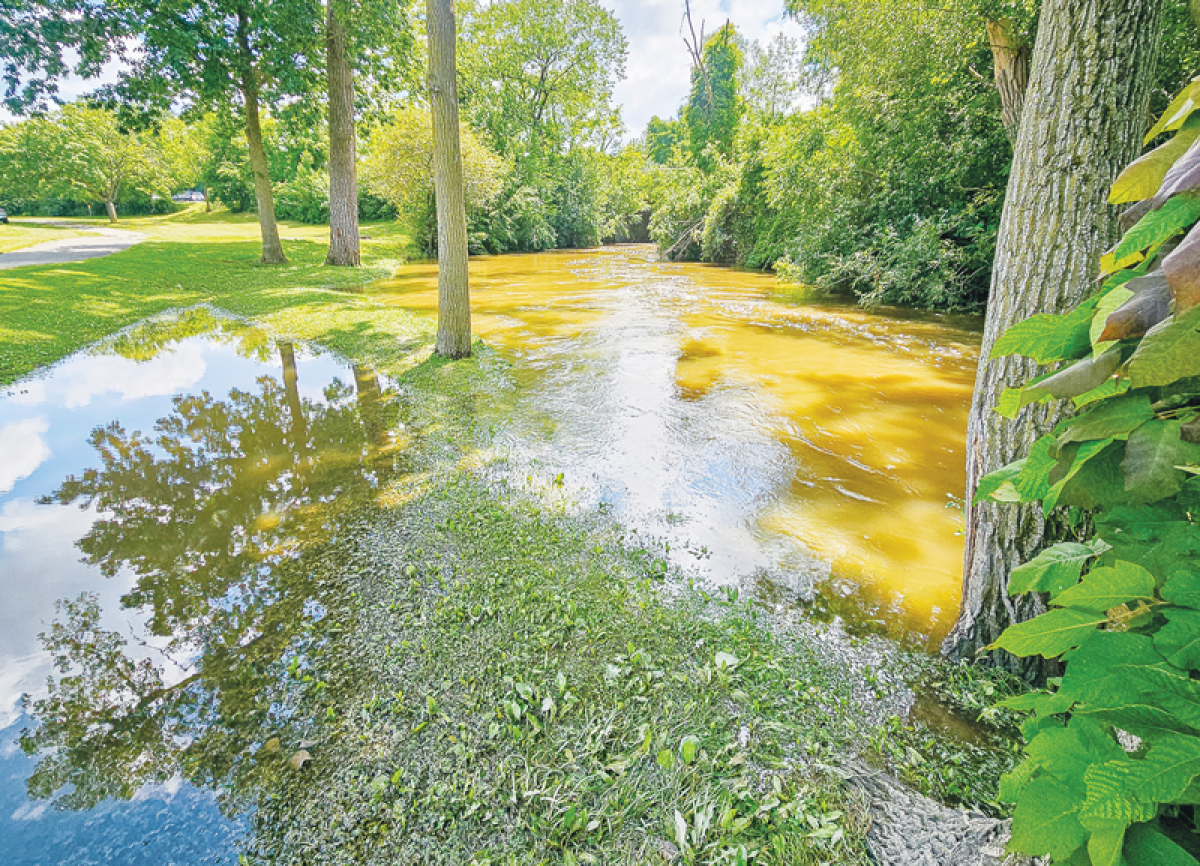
(224, 515)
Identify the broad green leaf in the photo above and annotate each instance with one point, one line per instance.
(1012, 783)
(1183, 589)
(1108, 799)
(1025, 480)
(1105, 588)
(1045, 821)
(1168, 768)
(1049, 635)
(1079, 454)
(1142, 177)
(1047, 337)
(1097, 483)
(1157, 226)
(998, 486)
(688, 747)
(1170, 351)
(1154, 452)
(1105, 844)
(1042, 703)
(1013, 400)
(1110, 388)
(1108, 305)
(1066, 752)
(1054, 569)
(1114, 418)
(1144, 846)
(1178, 111)
(1179, 639)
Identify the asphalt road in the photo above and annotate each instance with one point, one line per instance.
(98, 242)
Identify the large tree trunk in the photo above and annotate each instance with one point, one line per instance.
(343, 177)
(1010, 59)
(272, 248)
(111, 207)
(454, 301)
(1084, 112)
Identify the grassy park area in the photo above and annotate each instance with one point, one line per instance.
(196, 258)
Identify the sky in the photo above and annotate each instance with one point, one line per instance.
(658, 68)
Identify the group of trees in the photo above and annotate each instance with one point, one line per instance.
(871, 160)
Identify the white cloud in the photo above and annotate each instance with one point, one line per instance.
(659, 68)
(24, 450)
(174, 370)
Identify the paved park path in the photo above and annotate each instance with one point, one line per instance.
(98, 242)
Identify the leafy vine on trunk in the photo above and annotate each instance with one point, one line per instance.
(1112, 767)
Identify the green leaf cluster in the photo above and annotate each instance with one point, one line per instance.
(1112, 761)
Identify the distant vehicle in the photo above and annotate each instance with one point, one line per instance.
(188, 195)
(3, 216)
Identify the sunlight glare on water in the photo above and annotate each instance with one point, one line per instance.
(808, 445)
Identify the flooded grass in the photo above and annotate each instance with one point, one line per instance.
(398, 658)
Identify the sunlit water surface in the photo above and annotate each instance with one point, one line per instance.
(803, 451)
(812, 449)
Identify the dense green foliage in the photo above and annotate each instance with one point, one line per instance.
(871, 162)
(1113, 756)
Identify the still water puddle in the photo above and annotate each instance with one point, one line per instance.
(173, 534)
(808, 449)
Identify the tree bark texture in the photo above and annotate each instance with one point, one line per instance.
(111, 207)
(1083, 118)
(1010, 59)
(272, 247)
(454, 302)
(343, 172)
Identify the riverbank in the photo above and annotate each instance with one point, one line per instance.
(497, 678)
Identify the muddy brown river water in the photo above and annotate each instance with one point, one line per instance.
(808, 445)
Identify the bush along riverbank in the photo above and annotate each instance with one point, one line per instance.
(414, 662)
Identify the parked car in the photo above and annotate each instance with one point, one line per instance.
(3, 216)
(188, 195)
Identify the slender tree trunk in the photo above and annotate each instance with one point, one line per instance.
(1083, 120)
(343, 177)
(454, 300)
(272, 247)
(111, 207)
(1010, 58)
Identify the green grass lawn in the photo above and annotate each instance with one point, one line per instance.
(193, 258)
(19, 234)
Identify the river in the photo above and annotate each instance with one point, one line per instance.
(808, 452)
(810, 446)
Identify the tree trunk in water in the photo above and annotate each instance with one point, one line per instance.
(343, 172)
(111, 207)
(1010, 58)
(1086, 104)
(291, 388)
(272, 248)
(454, 302)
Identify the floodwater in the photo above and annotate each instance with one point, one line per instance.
(157, 501)
(165, 499)
(806, 451)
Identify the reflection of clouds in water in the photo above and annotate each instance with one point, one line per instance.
(37, 543)
(18, 676)
(24, 450)
(81, 379)
(171, 371)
